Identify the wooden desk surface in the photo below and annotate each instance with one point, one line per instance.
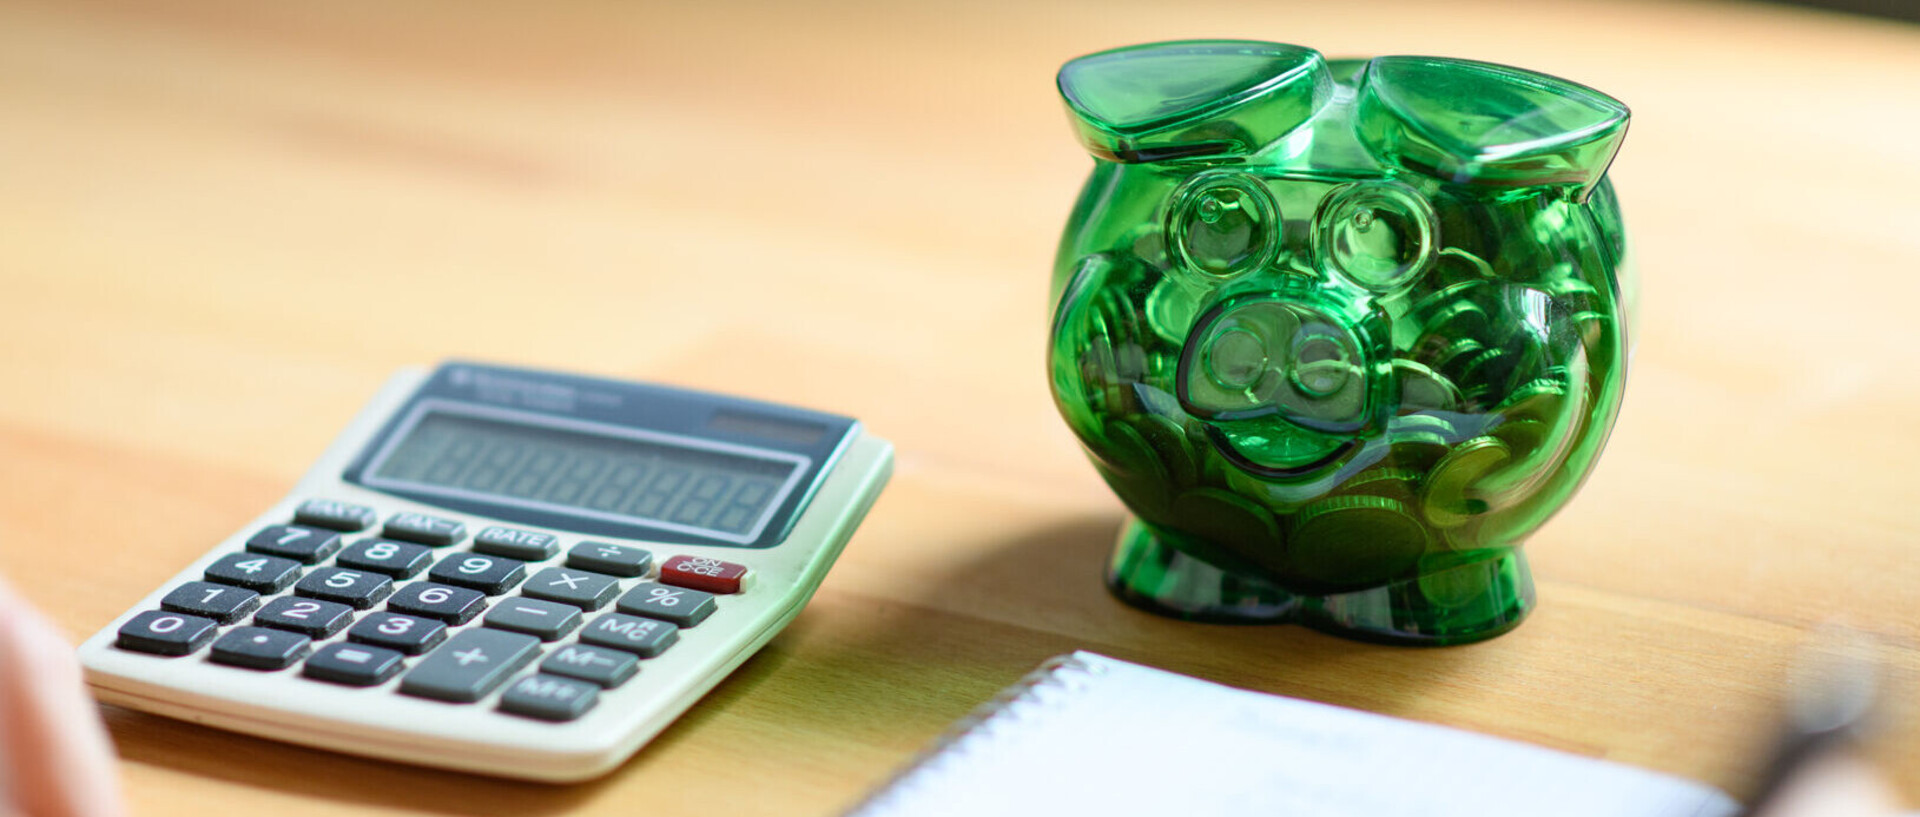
(222, 224)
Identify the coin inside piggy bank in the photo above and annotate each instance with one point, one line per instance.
(1340, 334)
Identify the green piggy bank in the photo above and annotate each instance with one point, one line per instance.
(1339, 334)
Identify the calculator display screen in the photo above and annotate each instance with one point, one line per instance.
(587, 469)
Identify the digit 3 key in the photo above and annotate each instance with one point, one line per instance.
(504, 571)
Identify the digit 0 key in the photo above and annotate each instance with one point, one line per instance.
(166, 633)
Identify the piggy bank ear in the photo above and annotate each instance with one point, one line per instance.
(1482, 124)
(1186, 99)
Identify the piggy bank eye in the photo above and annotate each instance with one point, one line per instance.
(1380, 235)
(1185, 99)
(1223, 223)
(1483, 124)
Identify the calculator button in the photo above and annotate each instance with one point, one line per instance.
(516, 544)
(680, 605)
(397, 559)
(301, 544)
(308, 617)
(617, 560)
(711, 575)
(549, 698)
(407, 634)
(341, 516)
(166, 633)
(608, 668)
(587, 591)
(644, 637)
(215, 601)
(427, 530)
(491, 575)
(259, 648)
(470, 665)
(544, 619)
(353, 664)
(265, 574)
(358, 589)
(453, 605)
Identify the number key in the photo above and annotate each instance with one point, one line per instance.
(165, 633)
(491, 575)
(358, 589)
(397, 559)
(264, 574)
(297, 542)
(215, 601)
(309, 617)
(453, 605)
(407, 634)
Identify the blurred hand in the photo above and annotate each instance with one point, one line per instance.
(1838, 784)
(55, 759)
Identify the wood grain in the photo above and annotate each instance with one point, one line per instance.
(223, 223)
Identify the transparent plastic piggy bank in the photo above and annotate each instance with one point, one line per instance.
(1340, 334)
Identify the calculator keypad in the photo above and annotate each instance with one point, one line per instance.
(412, 589)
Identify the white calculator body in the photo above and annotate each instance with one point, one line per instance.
(505, 571)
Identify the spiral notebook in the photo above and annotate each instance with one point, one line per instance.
(1087, 734)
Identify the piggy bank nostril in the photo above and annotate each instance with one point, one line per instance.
(1321, 366)
(1236, 359)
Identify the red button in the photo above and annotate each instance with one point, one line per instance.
(711, 575)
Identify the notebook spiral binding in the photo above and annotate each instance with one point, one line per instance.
(1031, 696)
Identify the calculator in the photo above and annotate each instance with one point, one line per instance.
(504, 571)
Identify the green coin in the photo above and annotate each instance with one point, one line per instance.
(1387, 481)
(1133, 469)
(1230, 522)
(1418, 452)
(1448, 499)
(1170, 310)
(1522, 436)
(1540, 400)
(1356, 541)
(1423, 389)
(1169, 441)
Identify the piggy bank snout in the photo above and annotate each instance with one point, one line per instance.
(1263, 359)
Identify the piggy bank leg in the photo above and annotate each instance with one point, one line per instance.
(1149, 573)
(1458, 598)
